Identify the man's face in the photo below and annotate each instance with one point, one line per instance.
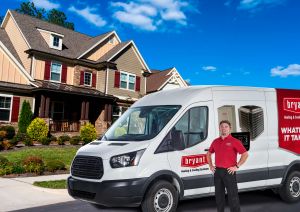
(224, 129)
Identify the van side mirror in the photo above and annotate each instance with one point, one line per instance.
(178, 140)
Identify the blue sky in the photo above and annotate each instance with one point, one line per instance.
(228, 42)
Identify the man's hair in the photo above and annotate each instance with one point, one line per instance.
(225, 122)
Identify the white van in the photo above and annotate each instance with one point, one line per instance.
(154, 155)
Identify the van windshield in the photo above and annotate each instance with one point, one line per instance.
(141, 123)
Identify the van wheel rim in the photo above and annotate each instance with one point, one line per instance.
(295, 187)
(163, 200)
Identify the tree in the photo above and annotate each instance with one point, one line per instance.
(25, 117)
(53, 16)
(1, 19)
(58, 17)
(28, 8)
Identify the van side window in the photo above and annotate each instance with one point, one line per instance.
(193, 125)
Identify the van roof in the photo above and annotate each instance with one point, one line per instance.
(191, 94)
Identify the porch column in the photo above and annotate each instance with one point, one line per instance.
(82, 115)
(42, 107)
(107, 113)
(87, 107)
(47, 107)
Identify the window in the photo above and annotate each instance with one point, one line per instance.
(57, 111)
(127, 81)
(141, 123)
(111, 40)
(118, 111)
(87, 78)
(5, 103)
(193, 125)
(55, 72)
(55, 41)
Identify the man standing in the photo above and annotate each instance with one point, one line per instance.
(226, 148)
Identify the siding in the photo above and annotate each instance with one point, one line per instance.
(101, 80)
(9, 72)
(18, 42)
(128, 62)
(46, 36)
(101, 49)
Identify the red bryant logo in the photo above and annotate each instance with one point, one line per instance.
(291, 105)
(193, 161)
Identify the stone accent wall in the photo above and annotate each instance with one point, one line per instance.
(101, 125)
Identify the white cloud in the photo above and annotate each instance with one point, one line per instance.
(153, 13)
(209, 68)
(89, 14)
(46, 4)
(254, 4)
(291, 70)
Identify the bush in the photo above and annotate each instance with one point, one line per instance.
(25, 117)
(3, 161)
(75, 140)
(88, 133)
(53, 138)
(45, 141)
(54, 165)
(10, 131)
(33, 164)
(2, 135)
(6, 144)
(37, 129)
(7, 169)
(27, 140)
(62, 139)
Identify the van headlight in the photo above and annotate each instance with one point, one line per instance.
(125, 160)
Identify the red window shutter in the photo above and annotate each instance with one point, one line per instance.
(64, 73)
(81, 77)
(15, 109)
(94, 76)
(138, 83)
(117, 79)
(47, 70)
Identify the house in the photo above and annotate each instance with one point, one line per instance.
(68, 77)
(165, 79)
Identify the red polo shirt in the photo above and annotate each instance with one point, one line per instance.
(226, 151)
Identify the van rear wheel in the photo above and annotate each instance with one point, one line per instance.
(161, 197)
(290, 190)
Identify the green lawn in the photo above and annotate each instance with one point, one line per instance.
(56, 184)
(62, 153)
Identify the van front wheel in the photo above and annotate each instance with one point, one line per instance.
(290, 190)
(161, 197)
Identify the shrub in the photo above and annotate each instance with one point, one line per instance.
(75, 140)
(62, 139)
(37, 129)
(33, 164)
(54, 165)
(25, 117)
(27, 140)
(88, 133)
(6, 144)
(7, 169)
(3, 161)
(2, 135)
(53, 138)
(10, 131)
(45, 141)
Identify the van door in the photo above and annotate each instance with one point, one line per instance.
(197, 131)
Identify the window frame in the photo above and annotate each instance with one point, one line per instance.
(59, 47)
(10, 109)
(127, 80)
(91, 78)
(55, 62)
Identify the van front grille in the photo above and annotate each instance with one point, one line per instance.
(89, 167)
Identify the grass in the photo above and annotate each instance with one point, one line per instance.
(55, 184)
(64, 154)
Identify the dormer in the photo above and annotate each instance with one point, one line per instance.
(53, 39)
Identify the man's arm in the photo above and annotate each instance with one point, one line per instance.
(209, 161)
(242, 160)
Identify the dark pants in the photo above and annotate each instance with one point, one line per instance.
(224, 180)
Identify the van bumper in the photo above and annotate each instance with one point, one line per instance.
(112, 193)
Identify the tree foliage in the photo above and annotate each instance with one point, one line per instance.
(53, 16)
(25, 117)
(1, 19)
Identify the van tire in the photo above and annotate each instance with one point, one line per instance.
(162, 194)
(290, 189)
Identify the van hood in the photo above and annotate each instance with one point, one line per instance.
(107, 149)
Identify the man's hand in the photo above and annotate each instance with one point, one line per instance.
(232, 170)
(212, 168)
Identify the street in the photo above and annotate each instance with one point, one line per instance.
(254, 201)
